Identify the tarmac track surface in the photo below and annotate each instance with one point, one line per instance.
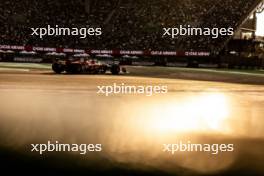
(39, 106)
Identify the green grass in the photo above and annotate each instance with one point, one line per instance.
(24, 65)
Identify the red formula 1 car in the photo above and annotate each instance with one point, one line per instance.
(84, 66)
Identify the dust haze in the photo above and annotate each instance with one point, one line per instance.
(38, 108)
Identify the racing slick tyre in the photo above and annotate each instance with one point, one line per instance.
(115, 69)
(57, 68)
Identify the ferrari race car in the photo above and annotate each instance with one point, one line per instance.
(85, 66)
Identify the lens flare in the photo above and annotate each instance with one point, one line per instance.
(208, 111)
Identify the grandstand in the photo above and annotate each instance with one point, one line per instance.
(133, 25)
(130, 25)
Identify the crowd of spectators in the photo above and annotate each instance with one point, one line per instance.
(126, 24)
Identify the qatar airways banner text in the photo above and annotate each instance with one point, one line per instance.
(109, 52)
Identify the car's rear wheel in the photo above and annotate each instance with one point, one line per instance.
(57, 68)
